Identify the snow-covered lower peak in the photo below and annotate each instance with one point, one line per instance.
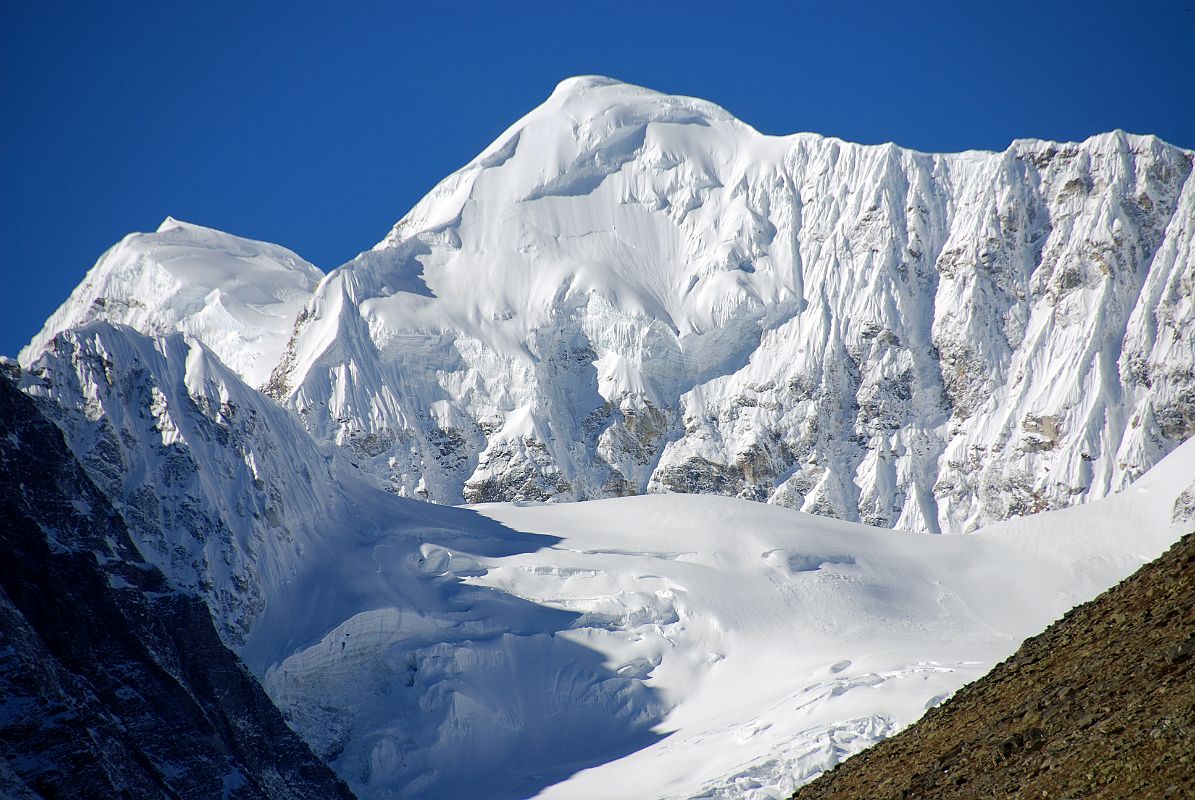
(633, 292)
(239, 296)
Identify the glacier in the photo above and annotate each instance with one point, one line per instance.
(636, 301)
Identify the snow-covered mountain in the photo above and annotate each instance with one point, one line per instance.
(633, 292)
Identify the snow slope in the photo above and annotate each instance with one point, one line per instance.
(799, 641)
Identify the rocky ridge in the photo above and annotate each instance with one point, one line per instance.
(113, 682)
(220, 488)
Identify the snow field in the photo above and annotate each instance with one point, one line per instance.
(684, 647)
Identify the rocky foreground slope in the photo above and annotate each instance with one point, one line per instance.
(635, 292)
(113, 683)
(1101, 705)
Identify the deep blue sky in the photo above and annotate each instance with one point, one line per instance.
(318, 128)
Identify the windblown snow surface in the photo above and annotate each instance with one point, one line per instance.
(634, 293)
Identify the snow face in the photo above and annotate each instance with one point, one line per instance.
(221, 489)
(632, 292)
(238, 296)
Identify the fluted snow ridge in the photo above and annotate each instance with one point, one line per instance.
(633, 292)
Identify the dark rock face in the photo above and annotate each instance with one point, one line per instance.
(1101, 705)
(112, 682)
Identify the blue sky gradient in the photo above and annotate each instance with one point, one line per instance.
(317, 126)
